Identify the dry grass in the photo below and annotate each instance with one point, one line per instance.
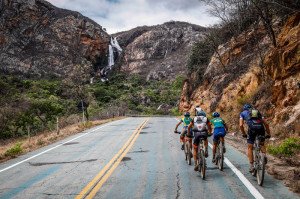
(46, 138)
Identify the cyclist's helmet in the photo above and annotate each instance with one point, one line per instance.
(201, 113)
(247, 106)
(216, 114)
(187, 114)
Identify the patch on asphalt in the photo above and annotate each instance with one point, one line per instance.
(126, 159)
(143, 132)
(49, 163)
(71, 143)
(140, 151)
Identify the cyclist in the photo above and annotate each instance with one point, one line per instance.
(256, 126)
(186, 120)
(220, 129)
(201, 128)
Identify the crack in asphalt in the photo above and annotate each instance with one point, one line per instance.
(60, 194)
(48, 163)
(178, 186)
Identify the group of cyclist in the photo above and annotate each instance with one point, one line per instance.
(201, 127)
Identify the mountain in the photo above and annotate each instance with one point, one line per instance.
(38, 39)
(249, 69)
(158, 52)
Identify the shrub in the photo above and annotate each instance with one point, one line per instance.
(287, 148)
(15, 150)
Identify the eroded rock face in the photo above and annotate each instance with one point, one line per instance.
(38, 39)
(251, 70)
(158, 52)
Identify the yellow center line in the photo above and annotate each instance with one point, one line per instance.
(92, 188)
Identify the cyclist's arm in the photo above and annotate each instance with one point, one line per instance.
(190, 126)
(226, 127)
(178, 125)
(209, 127)
(242, 126)
(266, 126)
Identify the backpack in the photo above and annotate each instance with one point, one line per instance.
(255, 122)
(200, 123)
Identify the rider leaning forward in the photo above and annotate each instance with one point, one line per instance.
(256, 126)
(201, 128)
(186, 120)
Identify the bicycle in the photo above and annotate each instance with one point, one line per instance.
(259, 160)
(187, 149)
(220, 155)
(201, 157)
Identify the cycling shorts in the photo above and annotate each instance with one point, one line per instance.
(219, 132)
(252, 135)
(198, 135)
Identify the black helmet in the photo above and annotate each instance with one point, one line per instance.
(247, 107)
(201, 113)
(187, 114)
(216, 114)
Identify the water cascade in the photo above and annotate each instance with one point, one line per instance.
(112, 48)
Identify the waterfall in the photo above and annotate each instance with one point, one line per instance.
(111, 60)
(113, 47)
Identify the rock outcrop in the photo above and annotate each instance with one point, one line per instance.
(38, 39)
(158, 52)
(250, 69)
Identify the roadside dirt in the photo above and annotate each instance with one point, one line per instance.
(285, 169)
(46, 138)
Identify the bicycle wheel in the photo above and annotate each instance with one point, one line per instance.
(260, 173)
(185, 151)
(189, 155)
(221, 156)
(202, 163)
(256, 162)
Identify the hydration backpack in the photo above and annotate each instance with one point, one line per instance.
(255, 122)
(200, 123)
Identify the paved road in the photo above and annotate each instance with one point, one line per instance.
(130, 158)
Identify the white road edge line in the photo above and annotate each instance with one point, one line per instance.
(16, 164)
(243, 179)
(239, 174)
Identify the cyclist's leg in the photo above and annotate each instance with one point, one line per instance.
(250, 140)
(195, 151)
(215, 140)
(182, 135)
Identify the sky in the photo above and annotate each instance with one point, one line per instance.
(120, 15)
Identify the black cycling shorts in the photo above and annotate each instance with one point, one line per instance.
(198, 135)
(252, 135)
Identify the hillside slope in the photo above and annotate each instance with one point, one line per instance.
(249, 69)
(38, 39)
(158, 52)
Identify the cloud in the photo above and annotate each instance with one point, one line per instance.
(120, 15)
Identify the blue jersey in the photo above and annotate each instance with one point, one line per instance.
(245, 115)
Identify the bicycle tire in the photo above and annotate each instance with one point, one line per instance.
(221, 156)
(202, 162)
(189, 155)
(185, 151)
(260, 173)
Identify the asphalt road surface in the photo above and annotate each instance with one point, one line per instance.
(129, 158)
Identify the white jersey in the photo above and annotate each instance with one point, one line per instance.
(200, 123)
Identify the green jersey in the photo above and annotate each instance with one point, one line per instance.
(218, 122)
(186, 121)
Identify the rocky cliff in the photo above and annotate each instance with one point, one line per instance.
(249, 69)
(158, 52)
(38, 39)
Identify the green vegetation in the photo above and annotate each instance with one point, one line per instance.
(15, 150)
(287, 148)
(34, 105)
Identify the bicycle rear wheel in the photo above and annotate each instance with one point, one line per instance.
(221, 156)
(202, 168)
(189, 155)
(185, 151)
(260, 173)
